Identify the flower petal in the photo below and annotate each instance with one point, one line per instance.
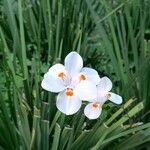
(52, 83)
(86, 90)
(105, 84)
(92, 112)
(56, 69)
(91, 75)
(102, 96)
(73, 63)
(68, 104)
(117, 99)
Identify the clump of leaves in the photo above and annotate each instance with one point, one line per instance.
(37, 34)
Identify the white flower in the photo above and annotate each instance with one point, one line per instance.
(72, 82)
(94, 108)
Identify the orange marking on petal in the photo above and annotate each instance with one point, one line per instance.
(94, 105)
(82, 77)
(61, 75)
(69, 92)
(108, 95)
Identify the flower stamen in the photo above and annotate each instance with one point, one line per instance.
(94, 105)
(61, 75)
(69, 92)
(108, 95)
(82, 77)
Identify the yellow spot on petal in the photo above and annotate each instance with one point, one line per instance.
(82, 77)
(61, 75)
(69, 92)
(94, 105)
(108, 95)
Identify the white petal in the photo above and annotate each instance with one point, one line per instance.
(86, 90)
(73, 63)
(56, 69)
(91, 112)
(52, 83)
(68, 104)
(102, 97)
(105, 84)
(117, 99)
(91, 75)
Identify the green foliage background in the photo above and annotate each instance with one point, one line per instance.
(112, 36)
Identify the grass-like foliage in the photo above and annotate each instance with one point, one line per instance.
(112, 36)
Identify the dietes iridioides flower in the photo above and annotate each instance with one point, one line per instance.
(73, 83)
(94, 108)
